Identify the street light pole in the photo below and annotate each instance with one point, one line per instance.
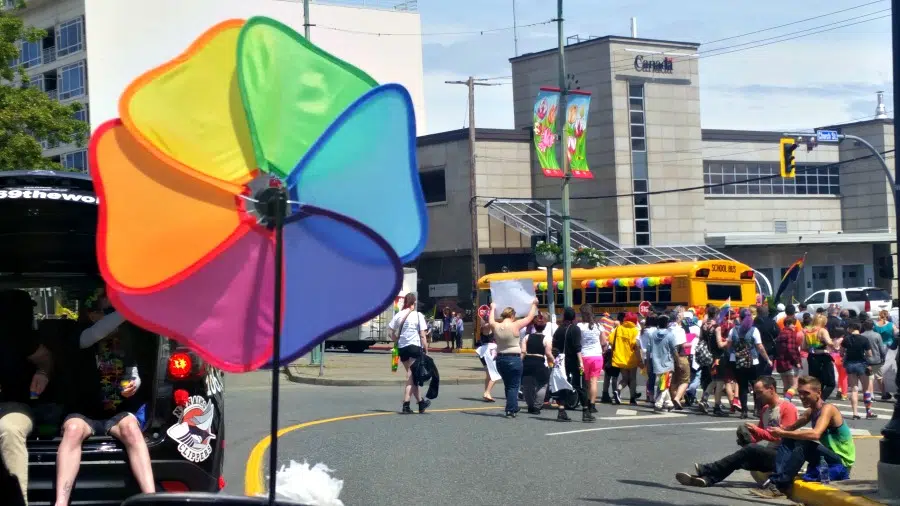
(564, 160)
(889, 446)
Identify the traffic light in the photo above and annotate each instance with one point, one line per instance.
(788, 164)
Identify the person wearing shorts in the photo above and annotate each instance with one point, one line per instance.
(408, 331)
(592, 344)
(110, 410)
(626, 357)
(857, 352)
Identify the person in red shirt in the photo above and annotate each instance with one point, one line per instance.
(758, 444)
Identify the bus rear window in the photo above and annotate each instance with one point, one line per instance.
(723, 292)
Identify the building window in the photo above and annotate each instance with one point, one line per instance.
(70, 37)
(733, 176)
(639, 171)
(30, 54)
(82, 115)
(434, 186)
(75, 161)
(72, 80)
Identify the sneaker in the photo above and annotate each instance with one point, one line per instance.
(718, 411)
(510, 414)
(423, 405)
(871, 416)
(698, 468)
(767, 492)
(587, 416)
(633, 402)
(637, 396)
(605, 399)
(691, 480)
(562, 416)
(703, 407)
(406, 409)
(534, 411)
(677, 405)
(616, 399)
(760, 477)
(886, 396)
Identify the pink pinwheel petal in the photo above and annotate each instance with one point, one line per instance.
(223, 311)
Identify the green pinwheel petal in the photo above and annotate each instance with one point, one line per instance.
(292, 91)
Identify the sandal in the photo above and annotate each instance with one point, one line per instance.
(488, 399)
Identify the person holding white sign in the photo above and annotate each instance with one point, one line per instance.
(509, 352)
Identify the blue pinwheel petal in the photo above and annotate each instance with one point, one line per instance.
(364, 167)
(338, 274)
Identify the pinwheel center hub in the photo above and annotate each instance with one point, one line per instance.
(269, 203)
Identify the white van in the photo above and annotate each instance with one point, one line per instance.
(868, 300)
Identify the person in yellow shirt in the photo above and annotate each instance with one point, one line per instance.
(626, 356)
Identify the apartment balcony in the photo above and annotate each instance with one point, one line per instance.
(53, 94)
(48, 55)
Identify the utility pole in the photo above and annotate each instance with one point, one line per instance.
(515, 31)
(889, 448)
(564, 161)
(471, 83)
(321, 351)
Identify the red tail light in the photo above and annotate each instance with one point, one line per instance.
(181, 365)
(868, 306)
(747, 275)
(221, 482)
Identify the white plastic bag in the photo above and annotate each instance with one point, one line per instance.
(311, 485)
(558, 379)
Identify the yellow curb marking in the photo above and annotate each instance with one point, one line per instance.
(254, 477)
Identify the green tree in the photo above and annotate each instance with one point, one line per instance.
(27, 115)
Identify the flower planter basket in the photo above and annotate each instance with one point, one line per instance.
(546, 259)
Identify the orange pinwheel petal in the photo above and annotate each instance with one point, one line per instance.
(157, 225)
(189, 110)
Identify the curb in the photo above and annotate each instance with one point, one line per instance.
(430, 350)
(816, 494)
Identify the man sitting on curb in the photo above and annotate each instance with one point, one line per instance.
(829, 439)
(757, 441)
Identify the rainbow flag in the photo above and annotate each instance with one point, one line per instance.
(723, 310)
(789, 277)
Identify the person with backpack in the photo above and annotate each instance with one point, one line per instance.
(746, 347)
(788, 360)
(408, 331)
(706, 351)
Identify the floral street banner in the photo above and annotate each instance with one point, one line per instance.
(577, 108)
(546, 108)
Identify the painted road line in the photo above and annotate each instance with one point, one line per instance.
(254, 476)
(626, 412)
(598, 429)
(860, 432)
(644, 417)
(719, 429)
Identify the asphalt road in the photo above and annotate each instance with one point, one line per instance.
(475, 456)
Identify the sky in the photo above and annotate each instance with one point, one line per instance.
(821, 79)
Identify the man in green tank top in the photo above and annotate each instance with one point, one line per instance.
(829, 438)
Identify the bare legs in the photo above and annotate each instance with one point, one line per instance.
(410, 389)
(129, 433)
(488, 385)
(68, 460)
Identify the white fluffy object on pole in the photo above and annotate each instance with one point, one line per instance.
(308, 485)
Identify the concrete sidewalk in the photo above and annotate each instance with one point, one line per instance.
(373, 368)
(860, 489)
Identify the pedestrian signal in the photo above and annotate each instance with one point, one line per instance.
(788, 164)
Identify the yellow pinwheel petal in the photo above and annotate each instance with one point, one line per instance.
(189, 110)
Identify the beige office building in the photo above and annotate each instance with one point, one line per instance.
(644, 136)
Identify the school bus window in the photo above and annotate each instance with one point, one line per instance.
(541, 297)
(590, 295)
(621, 294)
(650, 294)
(635, 295)
(723, 292)
(605, 296)
(576, 297)
(665, 293)
(484, 298)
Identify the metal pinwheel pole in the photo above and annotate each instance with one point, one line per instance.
(276, 208)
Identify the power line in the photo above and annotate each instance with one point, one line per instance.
(792, 23)
(435, 34)
(705, 186)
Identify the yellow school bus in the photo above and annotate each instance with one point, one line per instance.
(622, 288)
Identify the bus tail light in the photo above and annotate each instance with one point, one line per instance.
(702, 273)
(747, 275)
(868, 307)
(181, 365)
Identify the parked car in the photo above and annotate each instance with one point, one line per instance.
(48, 223)
(868, 300)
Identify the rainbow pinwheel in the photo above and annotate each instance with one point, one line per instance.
(182, 243)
